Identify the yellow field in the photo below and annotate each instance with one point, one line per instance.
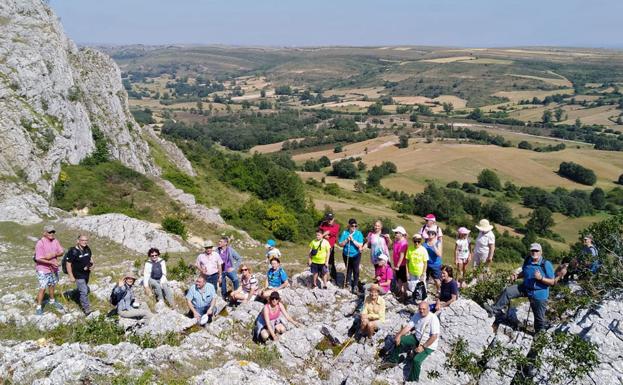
(597, 115)
(490, 61)
(455, 100)
(561, 82)
(516, 96)
(450, 59)
(447, 161)
(370, 92)
(568, 227)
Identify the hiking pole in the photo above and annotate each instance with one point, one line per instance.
(348, 342)
(346, 272)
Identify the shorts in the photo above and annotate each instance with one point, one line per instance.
(319, 268)
(47, 279)
(402, 273)
(433, 271)
(480, 258)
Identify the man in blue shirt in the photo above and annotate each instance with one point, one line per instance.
(201, 300)
(351, 240)
(538, 275)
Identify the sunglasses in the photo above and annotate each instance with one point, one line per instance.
(52, 232)
(353, 226)
(534, 251)
(244, 269)
(274, 299)
(154, 255)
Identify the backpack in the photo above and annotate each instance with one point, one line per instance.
(115, 298)
(64, 261)
(419, 293)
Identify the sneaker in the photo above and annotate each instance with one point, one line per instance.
(39, 311)
(387, 365)
(58, 307)
(489, 310)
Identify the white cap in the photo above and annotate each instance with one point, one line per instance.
(400, 230)
(204, 319)
(383, 257)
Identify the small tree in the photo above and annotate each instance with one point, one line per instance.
(448, 107)
(324, 161)
(338, 148)
(598, 198)
(375, 109)
(524, 145)
(559, 114)
(404, 141)
(489, 179)
(540, 221)
(547, 117)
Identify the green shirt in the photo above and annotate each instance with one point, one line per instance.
(416, 259)
(323, 251)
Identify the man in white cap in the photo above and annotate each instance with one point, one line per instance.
(210, 264)
(47, 251)
(399, 253)
(538, 275)
(484, 246)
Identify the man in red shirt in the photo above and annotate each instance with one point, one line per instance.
(331, 230)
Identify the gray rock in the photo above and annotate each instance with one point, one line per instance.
(239, 373)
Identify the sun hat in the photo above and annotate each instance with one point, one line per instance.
(417, 236)
(129, 274)
(208, 243)
(383, 257)
(484, 225)
(400, 230)
(430, 217)
(536, 246)
(463, 230)
(49, 229)
(271, 243)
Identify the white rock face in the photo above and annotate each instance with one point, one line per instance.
(51, 95)
(240, 373)
(174, 154)
(132, 233)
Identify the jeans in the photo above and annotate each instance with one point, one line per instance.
(83, 294)
(407, 343)
(332, 269)
(234, 280)
(514, 291)
(158, 288)
(213, 280)
(352, 268)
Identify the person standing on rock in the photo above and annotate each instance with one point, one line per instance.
(331, 230)
(210, 264)
(538, 275)
(373, 313)
(318, 258)
(424, 340)
(47, 251)
(276, 279)
(201, 299)
(155, 277)
(231, 262)
(484, 247)
(462, 252)
(377, 242)
(123, 298)
(399, 253)
(417, 260)
(430, 223)
(433, 267)
(79, 265)
(351, 242)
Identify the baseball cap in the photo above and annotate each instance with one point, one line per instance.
(536, 246)
(400, 230)
(49, 229)
(383, 257)
(430, 217)
(417, 236)
(328, 216)
(208, 243)
(463, 230)
(271, 243)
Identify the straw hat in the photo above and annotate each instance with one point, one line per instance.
(484, 225)
(129, 274)
(208, 243)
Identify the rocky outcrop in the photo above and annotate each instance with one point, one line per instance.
(132, 233)
(173, 153)
(51, 96)
(240, 372)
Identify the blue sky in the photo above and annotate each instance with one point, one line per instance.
(471, 23)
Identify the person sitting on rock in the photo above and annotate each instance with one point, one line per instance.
(155, 277)
(127, 305)
(276, 279)
(201, 299)
(424, 340)
(538, 275)
(383, 274)
(271, 250)
(449, 291)
(209, 264)
(248, 286)
(271, 321)
(373, 313)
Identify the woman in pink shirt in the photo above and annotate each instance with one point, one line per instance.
(383, 274)
(399, 253)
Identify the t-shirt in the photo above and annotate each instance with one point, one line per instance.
(462, 247)
(434, 260)
(416, 257)
(201, 298)
(378, 245)
(210, 261)
(323, 248)
(276, 278)
(426, 327)
(534, 289)
(43, 247)
(481, 247)
(350, 250)
(333, 230)
(374, 310)
(80, 260)
(248, 285)
(400, 246)
(424, 231)
(384, 273)
(447, 290)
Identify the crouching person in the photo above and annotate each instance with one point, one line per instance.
(155, 277)
(373, 313)
(271, 321)
(423, 341)
(123, 298)
(201, 300)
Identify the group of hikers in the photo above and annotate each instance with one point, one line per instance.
(399, 267)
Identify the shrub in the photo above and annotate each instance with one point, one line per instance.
(101, 153)
(489, 180)
(181, 271)
(577, 173)
(524, 145)
(344, 169)
(174, 226)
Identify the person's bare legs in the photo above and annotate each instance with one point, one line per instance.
(40, 295)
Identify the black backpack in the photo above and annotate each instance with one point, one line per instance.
(64, 260)
(115, 297)
(419, 293)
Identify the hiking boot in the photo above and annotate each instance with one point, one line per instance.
(489, 310)
(387, 365)
(39, 311)
(58, 307)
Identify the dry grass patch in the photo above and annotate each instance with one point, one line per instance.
(413, 100)
(451, 59)
(516, 96)
(560, 82)
(597, 115)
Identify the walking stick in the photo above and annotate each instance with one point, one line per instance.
(346, 272)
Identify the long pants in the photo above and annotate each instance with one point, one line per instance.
(82, 285)
(213, 280)
(333, 270)
(352, 269)
(538, 306)
(407, 343)
(234, 280)
(141, 312)
(158, 288)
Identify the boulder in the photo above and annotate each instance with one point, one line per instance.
(238, 372)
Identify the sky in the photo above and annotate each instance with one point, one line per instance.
(459, 23)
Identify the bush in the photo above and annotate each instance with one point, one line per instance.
(181, 271)
(101, 153)
(524, 145)
(344, 169)
(174, 226)
(577, 173)
(489, 180)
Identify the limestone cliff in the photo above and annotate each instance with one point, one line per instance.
(51, 96)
